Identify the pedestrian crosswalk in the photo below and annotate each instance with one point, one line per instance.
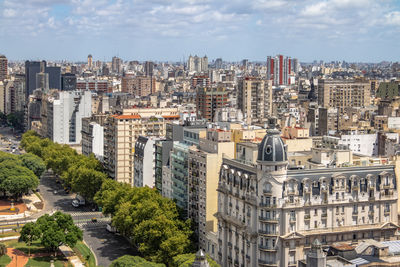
(89, 224)
(96, 214)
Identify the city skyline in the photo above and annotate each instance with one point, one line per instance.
(171, 31)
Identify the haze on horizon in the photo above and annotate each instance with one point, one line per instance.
(163, 30)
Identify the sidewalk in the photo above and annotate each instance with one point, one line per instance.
(70, 255)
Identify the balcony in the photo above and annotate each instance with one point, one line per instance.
(267, 192)
(292, 219)
(268, 205)
(386, 212)
(267, 263)
(386, 186)
(307, 216)
(324, 215)
(355, 188)
(268, 233)
(355, 212)
(268, 219)
(267, 248)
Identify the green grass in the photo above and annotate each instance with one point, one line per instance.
(35, 247)
(85, 254)
(4, 260)
(45, 262)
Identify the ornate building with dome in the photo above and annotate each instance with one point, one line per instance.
(269, 215)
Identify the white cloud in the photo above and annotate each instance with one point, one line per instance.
(9, 13)
(393, 18)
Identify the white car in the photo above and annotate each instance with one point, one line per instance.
(111, 229)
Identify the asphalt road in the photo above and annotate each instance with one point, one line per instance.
(106, 246)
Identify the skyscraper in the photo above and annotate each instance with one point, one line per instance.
(280, 68)
(90, 61)
(31, 69)
(34, 67)
(116, 65)
(197, 64)
(3, 67)
(255, 99)
(148, 68)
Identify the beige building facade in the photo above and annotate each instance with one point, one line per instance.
(270, 216)
(121, 132)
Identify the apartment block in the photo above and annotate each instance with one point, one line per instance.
(255, 99)
(123, 129)
(208, 100)
(204, 165)
(344, 93)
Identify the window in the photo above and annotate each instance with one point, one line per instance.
(337, 195)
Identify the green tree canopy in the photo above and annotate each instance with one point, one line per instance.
(186, 260)
(34, 163)
(16, 179)
(134, 261)
(150, 220)
(30, 232)
(58, 229)
(87, 182)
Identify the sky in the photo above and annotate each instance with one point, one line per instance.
(171, 30)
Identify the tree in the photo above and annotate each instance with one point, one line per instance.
(34, 163)
(87, 182)
(134, 261)
(186, 260)
(111, 195)
(16, 179)
(29, 233)
(59, 157)
(16, 120)
(58, 229)
(150, 220)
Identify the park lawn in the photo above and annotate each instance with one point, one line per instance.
(45, 262)
(10, 233)
(4, 260)
(36, 247)
(85, 254)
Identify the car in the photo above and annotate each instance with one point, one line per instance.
(111, 229)
(94, 219)
(55, 191)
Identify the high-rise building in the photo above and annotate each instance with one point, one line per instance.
(68, 82)
(344, 93)
(148, 68)
(218, 63)
(42, 78)
(269, 215)
(280, 69)
(3, 67)
(121, 132)
(204, 167)
(32, 68)
(116, 65)
(143, 157)
(255, 99)
(93, 135)
(197, 64)
(139, 85)
(90, 61)
(208, 100)
(64, 112)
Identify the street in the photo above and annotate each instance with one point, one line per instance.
(106, 246)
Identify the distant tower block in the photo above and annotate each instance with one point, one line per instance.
(90, 62)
